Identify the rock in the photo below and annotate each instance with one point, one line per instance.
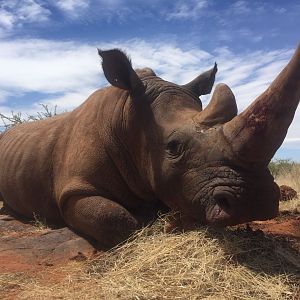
(25, 247)
(287, 193)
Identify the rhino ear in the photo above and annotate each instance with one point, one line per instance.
(118, 71)
(221, 108)
(202, 85)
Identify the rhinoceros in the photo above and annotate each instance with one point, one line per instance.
(144, 145)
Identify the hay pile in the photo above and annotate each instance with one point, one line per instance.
(203, 264)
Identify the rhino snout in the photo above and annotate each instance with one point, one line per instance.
(229, 209)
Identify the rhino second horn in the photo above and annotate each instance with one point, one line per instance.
(202, 85)
(256, 133)
(221, 108)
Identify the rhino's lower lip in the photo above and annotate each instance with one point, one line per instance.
(216, 216)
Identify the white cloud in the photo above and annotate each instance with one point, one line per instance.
(32, 11)
(280, 10)
(240, 7)
(72, 7)
(6, 19)
(250, 35)
(73, 70)
(187, 9)
(66, 101)
(249, 74)
(46, 66)
(91, 10)
(293, 140)
(15, 13)
(65, 73)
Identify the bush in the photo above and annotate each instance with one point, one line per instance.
(281, 166)
(17, 118)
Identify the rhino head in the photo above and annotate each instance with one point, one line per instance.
(210, 164)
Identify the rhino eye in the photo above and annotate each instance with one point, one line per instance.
(174, 148)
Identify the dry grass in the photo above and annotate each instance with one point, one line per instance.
(9, 281)
(290, 205)
(39, 223)
(202, 264)
(290, 177)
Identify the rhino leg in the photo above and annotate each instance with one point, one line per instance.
(100, 218)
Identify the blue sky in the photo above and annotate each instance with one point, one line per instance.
(48, 48)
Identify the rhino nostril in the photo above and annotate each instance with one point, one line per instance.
(225, 200)
(223, 203)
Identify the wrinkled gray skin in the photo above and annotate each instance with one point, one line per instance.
(144, 145)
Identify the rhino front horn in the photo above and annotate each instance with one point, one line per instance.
(257, 132)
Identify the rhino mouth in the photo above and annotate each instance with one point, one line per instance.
(217, 216)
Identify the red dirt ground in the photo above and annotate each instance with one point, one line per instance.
(285, 226)
(36, 253)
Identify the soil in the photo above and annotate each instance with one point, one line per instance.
(286, 227)
(30, 250)
(36, 252)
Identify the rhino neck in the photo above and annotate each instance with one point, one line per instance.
(126, 145)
